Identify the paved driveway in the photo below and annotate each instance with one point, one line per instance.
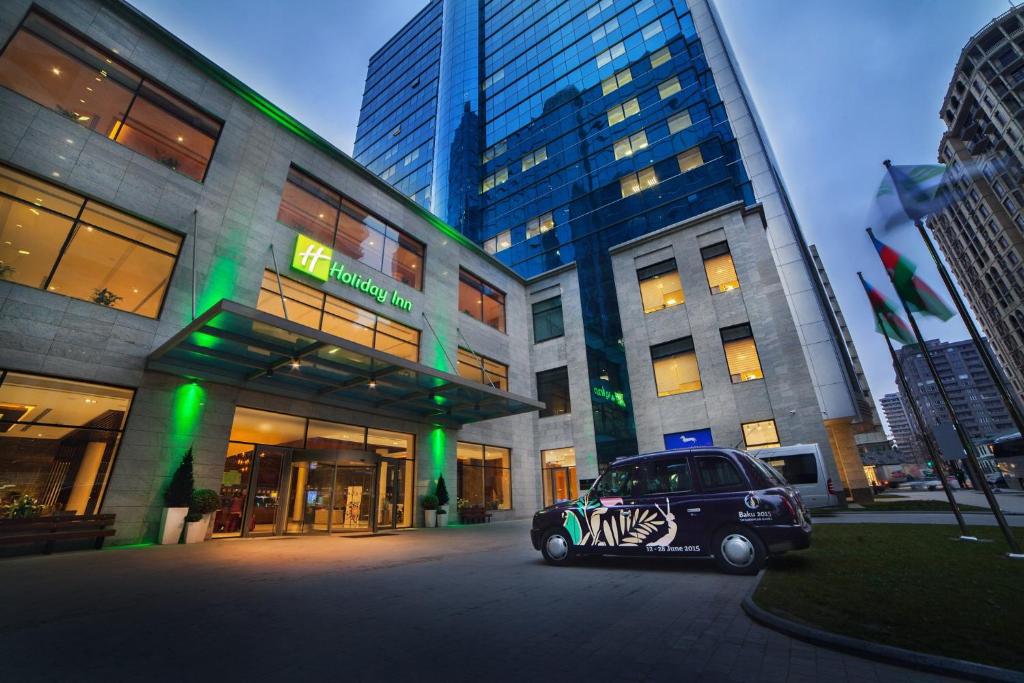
(459, 604)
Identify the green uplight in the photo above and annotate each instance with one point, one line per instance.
(438, 445)
(186, 413)
(129, 546)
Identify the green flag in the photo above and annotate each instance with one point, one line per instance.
(919, 297)
(887, 320)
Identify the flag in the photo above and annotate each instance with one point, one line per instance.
(887, 320)
(919, 297)
(907, 194)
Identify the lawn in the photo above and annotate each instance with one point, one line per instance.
(877, 582)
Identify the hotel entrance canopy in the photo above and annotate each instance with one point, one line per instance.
(241, 346)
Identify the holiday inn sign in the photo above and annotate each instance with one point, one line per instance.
(317, 260)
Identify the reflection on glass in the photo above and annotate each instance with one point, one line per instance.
(30, 240)
(353, 498)
(559, 472)
(484, 476)
(234, 489)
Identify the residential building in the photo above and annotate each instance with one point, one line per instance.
(904, 429)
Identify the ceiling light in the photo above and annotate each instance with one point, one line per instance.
(372, 384)
(83, 118)
(23, 251)
(89, 89)
(295, 363)
(56, 174)
(334, 350)
(181, 139)
(56, 71)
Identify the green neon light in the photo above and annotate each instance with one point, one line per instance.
(616, 397)
(317, 260)
(438, 445)
(186, 414)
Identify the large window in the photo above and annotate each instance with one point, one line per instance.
(638, 182)
(312, 208)
(485, 476)
(92, 87)
(616, 81)
(660, 57)
(690, 159)
(680, 121)
(719, 268)
(58, 241)
(500, 242)
(539, 224)
(630, 144)
(535, 157)
(548, 322)
(669, 476)
(718, 474)
(313, 308)
(761, 434)
(621, 112)
(483, 370)
(669, 87)
(553, 391)
(741, 354)
(660, 286)
(58, 441)
(481, 300)
(675, 367)
(558, 469)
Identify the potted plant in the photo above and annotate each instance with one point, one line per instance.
(195, 528)
(442, 501)
(104, 297)
(205, 502)
(22, 507)
(429, 503)
(176, 501)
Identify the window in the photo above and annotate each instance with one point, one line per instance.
(611, 53)
(741, 354)
(553, 391)
(388, 173)
(669, 88)
(312, 308)
(718, 474)
(322, 213)
(621, 112)
(799, 468)
(690, 159)
(675, 367)
(485, 475)
(84, 83)
(547, 320)
(619, 482)
(481, 300)
(558, 469)
(58, 241)
(652, 29)
(536, 226)
(637, 182)
(719, 268)
(761, 434)
(616, 81)
(660, 286)
(660, 57)
(500, 242)
(602, 31)
(496, 77)
(678, 122)
(495, 179)
(534, 158)
(643, 6)
(669, 476)
(598, 7)
(630, 144)
(483, 370)
(494, 151)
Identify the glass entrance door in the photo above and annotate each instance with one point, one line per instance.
(353, 498)
(310, 497)
(391, 493)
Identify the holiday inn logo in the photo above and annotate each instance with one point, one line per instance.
(312, 258)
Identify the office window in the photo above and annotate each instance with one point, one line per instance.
(598, 7)
(621, 112)
(678, 122)
(611, 53)
(388, 173)
(637, 182)
(87, 85)
(538, 225)
(741, 354)
(659, 57)
(630, 144)
(761, 434)
(643, 6)
(411, 157)
(496, 77)
(718, 266)
(313, 308)
(534, 158)
(58, 241)
(481, 300)
(553, 391)
(547, 320)
(482, 369)
(495, 179)
(660, 286)
(675, 367)
(500, 242)
(494, 151)
(602, 31)
(324, 214)
(558, 469)
(484, 475)
(652, 29)
(690, 159)
(616, 81)
(669, 88)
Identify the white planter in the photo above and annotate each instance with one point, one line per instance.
(430, 518)
(208, 518)
(172, 520)
(195, 532)
(442, 520)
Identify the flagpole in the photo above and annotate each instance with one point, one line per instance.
(939, 465)
(972, 457)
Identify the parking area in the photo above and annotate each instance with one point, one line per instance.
(458, 604)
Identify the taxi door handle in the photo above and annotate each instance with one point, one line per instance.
(693, 511)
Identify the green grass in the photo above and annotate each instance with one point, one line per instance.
(889, 495)
(906, 585)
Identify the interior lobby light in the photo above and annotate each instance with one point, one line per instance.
(295, 363)
(372, 384)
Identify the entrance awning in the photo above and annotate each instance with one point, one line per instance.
(241, 346)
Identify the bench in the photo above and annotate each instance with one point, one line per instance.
(50, 530)
(474, 515)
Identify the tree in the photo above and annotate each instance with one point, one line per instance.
(441, 491)
(179, 491)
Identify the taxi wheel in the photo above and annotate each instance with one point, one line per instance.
(739, 551)
(556, 547)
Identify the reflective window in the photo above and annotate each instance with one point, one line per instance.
(58, 442)
(558, 468)
(621, 112)
(660, 286)
(55, 240)
(534, 158)
(627, 146)
(500, 242)
(483, 370)
(494, 151)
(485, 476)
(547, 320)
(614, 52)
(538, 225)
(798, 468)
(652, 29)
(492, 181)
(616, 81)
(481, 300)
(637, 182)
(718, 267)
(762, 435)
(553, 391)
(718, 474)
(89, 86)
(690, 159)
(619, 482)
(678, 122)
(675, 367)
(669, 88)
(659, 57)
(741, 354)
(669, 476)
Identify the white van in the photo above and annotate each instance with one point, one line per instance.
(804, 469)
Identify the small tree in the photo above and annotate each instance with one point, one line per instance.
(441, 491)
(204, 501)
(179, 491)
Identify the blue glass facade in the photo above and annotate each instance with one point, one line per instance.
(561, 129)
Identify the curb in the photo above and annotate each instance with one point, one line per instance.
(875, 651)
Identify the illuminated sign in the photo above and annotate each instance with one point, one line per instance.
(616, 397)
(317, 260)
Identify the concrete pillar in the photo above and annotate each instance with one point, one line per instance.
(85, 478)
(851, 469)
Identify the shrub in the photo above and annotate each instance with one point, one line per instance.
(204, 501)
(441, 491)
(179, 491)
(22, 507)
(429, 502)
(193, 517)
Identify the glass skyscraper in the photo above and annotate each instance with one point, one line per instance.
(550, 131)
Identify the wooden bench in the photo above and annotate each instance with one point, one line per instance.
(474, 515)
(50, 530)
